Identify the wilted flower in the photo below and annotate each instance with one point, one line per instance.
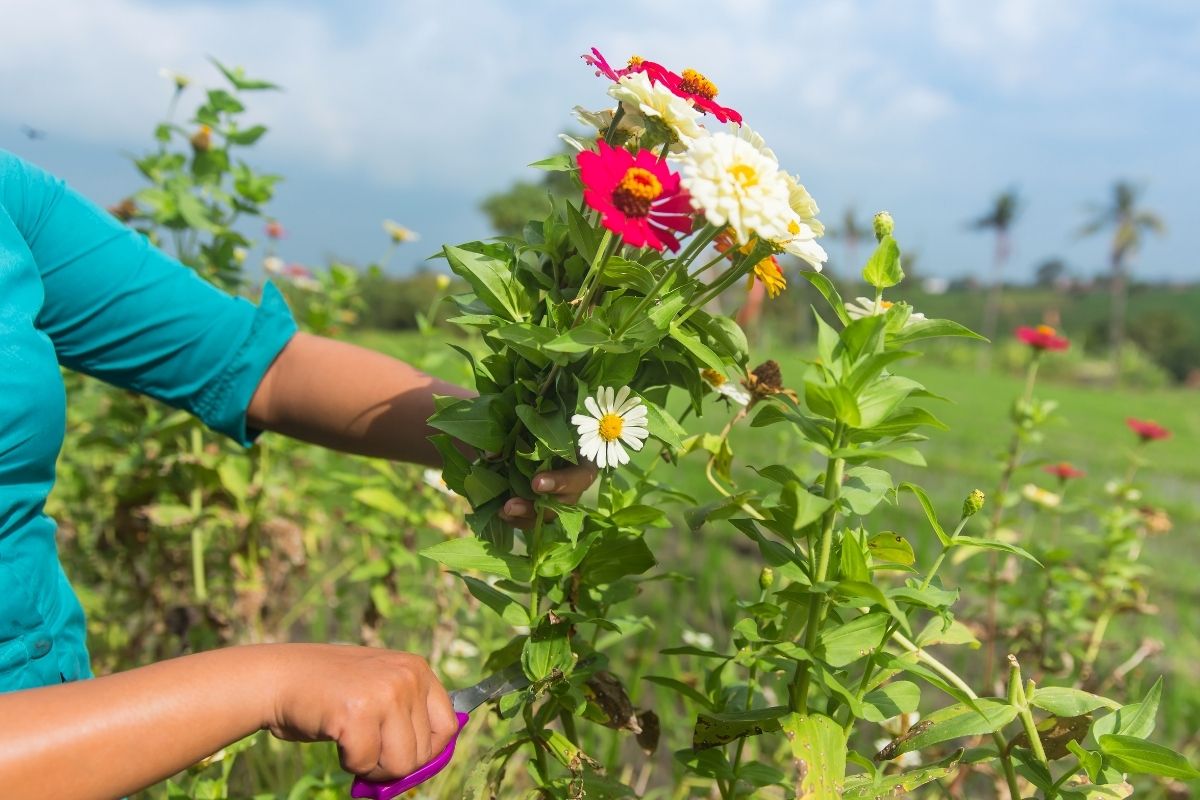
(765, 380)
(274, 229)
(1040, 497)
(698, 639)
(180, 80)
(399, 233)
(125, 210)
(616, 418)
(1043, 337)
(638, 197)
(1156, 520)
(725, 387)
(645, 98)
(733, 182)
(1063, 471)
(202, 139)
(866, 307)
(1147, 430)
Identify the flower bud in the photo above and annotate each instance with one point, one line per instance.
(884, 225)
(202, 139)
(766, 578)
(973, 503)
(443, 282)
(239, 255)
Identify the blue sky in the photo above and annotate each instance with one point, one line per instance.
(414, 111)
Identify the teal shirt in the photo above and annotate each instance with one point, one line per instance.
(79, 289)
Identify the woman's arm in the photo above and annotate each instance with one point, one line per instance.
(359, 401)
(114, 735)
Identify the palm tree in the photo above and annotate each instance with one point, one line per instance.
(1129, 223)
(999, 220)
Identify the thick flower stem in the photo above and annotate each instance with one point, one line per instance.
(816, 609)
(702, 239)
(1010, 773)
(611, 133)
(1018, 696)
(534, 548)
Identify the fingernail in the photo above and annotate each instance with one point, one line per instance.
(516, 508)
(544, 483)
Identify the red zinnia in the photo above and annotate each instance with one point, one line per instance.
(1147, 430)
(691, 85)
(1063, 471)
(638, 197)
(657, 73)
(274, 229)
(1043, 337)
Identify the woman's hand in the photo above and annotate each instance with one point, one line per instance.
(386, 710)
(564, 485)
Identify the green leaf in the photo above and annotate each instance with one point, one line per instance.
(853, 640)
(237, 77)
(561, 162)
(1135, 719)
(697, 348)
(829, 292)
(615, 558)
(246, 137)
(930, 514)
(482, 484)
(880, 398)
(932, 328)
(381, 500)
(939, 631)
(679, 687)
(854, 560)
(551, 430)
(470, 420)
(883, 267)
(547, 649)
(1130, 754)
(890, 547)
(799, 507)
(529, 340)
(864, 488)
(507, 607)
(864, 589)
(490, 278)
(639, 516)
(714, 730)
(861, 787)
(952, 722)
(662, 425)
(481, 556)
(585, 338)
(1064, 702)
(819, 746)
(890, 700)
(994, 544)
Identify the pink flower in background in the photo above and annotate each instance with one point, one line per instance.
(1043, 337)
(275, 230)
(1147, 430)
(1063, 471)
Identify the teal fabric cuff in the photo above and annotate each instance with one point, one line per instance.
(224, 408)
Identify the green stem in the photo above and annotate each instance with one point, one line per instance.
(709, 265)
(604, 251)
(937, 563)
(611, 133)
(1019, 697)
(816, 608)
(534, 548)
(1010, 774)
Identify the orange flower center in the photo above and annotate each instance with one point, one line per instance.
(769, 272)
(695, 83)
(610, 427)
(636, 191)
(1046, 330)
(886, 304)
(636, 61)
(713, 377)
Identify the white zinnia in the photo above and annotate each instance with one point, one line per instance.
(616, 417)
(735, 183)
(645, 98)
(725, 387)
(866, 307)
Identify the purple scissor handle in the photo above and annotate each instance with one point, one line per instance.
(510, 679)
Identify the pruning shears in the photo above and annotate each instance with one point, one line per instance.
(506, 681)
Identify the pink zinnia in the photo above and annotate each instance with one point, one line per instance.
(657, 73)
(274, 229)
(1147, 430)
(691, 85)
(1043, 337)
(638, 197)
(1063, 471)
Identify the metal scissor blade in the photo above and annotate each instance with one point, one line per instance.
(509, 679)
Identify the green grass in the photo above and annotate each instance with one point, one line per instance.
(1089, 432)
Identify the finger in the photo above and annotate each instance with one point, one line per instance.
(443, 723)
(423, 731)
(517, 512)
(568, 482)
(399, 756)
(360, 748)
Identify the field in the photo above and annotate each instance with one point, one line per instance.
(1090, 432)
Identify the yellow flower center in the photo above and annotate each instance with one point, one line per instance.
(886, 304)
(636, 191)
(794, 228)
(636, 61)
(610, 427)
(745, 175)
(695, 83)
(713, 377)
(1046, 330)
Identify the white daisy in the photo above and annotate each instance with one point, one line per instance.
(617, 417)
(643, 98)
(399, 233)
(866, 307)
(179, 79)
(698, 639)
(735, 183)
(1041, 497)
(299, 276)
(725, 387)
